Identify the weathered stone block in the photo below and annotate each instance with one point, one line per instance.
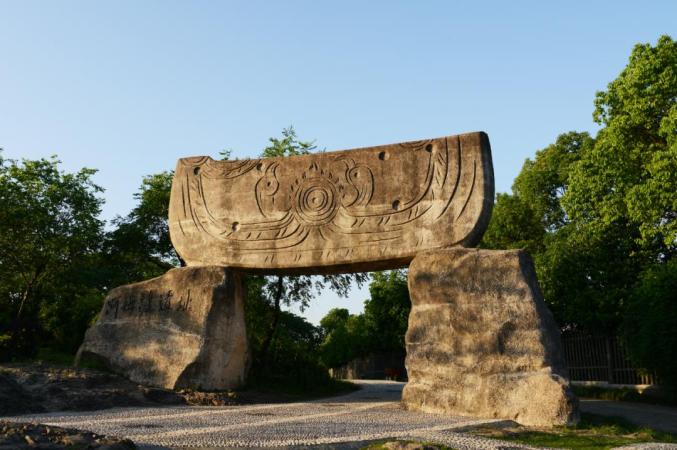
(185, 328)
(481, 340)
(354, 210)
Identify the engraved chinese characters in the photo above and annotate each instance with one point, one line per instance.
(183, 329)
(364, 209)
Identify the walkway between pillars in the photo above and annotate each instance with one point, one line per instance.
(372, 413)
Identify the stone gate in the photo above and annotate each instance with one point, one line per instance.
(480, 339)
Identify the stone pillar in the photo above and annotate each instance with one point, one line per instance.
(184, 329)
(481, 341)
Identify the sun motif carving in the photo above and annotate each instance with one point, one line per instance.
(314, 200)
(316, 196)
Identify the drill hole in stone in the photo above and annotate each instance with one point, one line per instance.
(235, 226)
(396, 205)
(196, 171)
(429, 148)
(383, 156)
(259, 167)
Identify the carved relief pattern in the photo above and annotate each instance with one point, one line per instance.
(326, 205)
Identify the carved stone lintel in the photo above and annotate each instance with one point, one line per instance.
(353, 210)
(184, 329)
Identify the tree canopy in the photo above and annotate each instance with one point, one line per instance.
(380, 329)
(599, 213)
(50, 238)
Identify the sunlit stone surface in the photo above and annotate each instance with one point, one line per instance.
(481, 340)
(183, 329)
(353, 210)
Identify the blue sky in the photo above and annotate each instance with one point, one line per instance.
(129, 87)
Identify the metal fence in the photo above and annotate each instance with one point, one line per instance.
(376, 366)
(601, 358)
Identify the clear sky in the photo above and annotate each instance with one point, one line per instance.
(128, 87)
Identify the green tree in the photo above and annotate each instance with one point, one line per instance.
(381, 328)
(293, 362)
(629, 178)
(346, 337)
(514, 224)
(606, 206)
(386, 312)
(544, 180)
(650, 326)
(139, 247)
(335, 318)
(50, 236)
(534, 211)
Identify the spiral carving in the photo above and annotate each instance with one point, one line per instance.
(315, 201)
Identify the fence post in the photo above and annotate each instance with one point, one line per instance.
(609, 360)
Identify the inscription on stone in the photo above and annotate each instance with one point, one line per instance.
(363, 209)
(145, 303)
(183, 329)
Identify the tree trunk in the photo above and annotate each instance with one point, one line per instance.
(29, 290)
(265, 347)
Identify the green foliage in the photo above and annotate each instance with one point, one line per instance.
(595, 213)
(139, 247)
(534, 211)
(291, 364)
(650, 325)
(287, 145)
(386, 313)
(630, 175)
(334, 319)
(345, 339)
(513, 225)
(542, 182)
(50, 236)
(379, 329)
(599, 214)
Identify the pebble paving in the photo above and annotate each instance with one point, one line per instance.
(370, 414)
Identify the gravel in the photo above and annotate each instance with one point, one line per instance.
(347, 422)
(27, 436)
(372, 413)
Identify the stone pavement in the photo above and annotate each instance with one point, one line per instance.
(349, 421)
(344, 422)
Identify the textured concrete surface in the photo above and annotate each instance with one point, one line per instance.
(184, 329)
(354, 210)
(373, 413)
(481, 341)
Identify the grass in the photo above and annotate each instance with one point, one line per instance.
(381, 445)
(50, 356)
(594, 432)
